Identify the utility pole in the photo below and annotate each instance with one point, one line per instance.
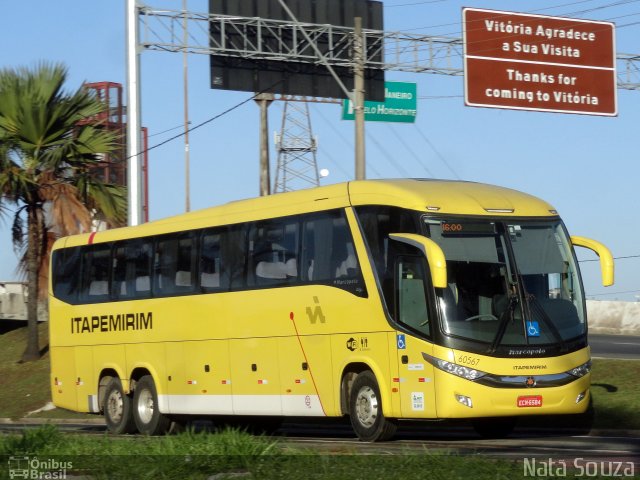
(185, 69)
(134, 143)
(264, 100)
(358, 97)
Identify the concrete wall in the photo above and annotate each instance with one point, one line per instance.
(618, 318)
(13, 301)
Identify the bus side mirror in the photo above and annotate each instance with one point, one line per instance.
(606, 259)
(431, 250)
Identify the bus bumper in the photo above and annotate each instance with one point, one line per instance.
(460, 398)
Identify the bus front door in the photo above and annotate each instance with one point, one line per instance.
(415, 376)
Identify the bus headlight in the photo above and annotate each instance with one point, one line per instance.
(581, 371)
(454, 369)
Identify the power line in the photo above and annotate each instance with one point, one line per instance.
(201, 124)
(167, 130)
(415, 3)
(438, 154)
(390, 157)
(567, 14)
(615, 258)
(414, 154)
(345, 141)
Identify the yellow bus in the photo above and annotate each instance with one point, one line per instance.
(380, 300)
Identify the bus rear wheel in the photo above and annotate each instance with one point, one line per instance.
(365, 410)
(117, 409)
(147, 417)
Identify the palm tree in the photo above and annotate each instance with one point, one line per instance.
(49, 149)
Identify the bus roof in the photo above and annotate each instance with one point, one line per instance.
(426, 195)
(448, 196)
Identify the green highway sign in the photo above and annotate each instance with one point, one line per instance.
(400, 105)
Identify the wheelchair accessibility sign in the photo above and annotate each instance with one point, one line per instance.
(401, 340)
(533, 329)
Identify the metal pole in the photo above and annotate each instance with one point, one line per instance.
(134, 150)
(264, 100)
(187, 195)
(358, 95)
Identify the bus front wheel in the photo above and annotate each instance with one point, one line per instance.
(365, 410)
(148, 418)
(117, 409)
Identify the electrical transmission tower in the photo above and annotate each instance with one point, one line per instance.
(296, 146)
(204, 33)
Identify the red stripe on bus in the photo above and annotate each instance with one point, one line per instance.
(93, 234)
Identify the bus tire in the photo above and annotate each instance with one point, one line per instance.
(365, 410)
(117, 409)
(147, 417)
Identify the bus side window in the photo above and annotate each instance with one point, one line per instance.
(273, 246)
(131, 269)
(234, 257)
(210, 262)
(328, 253)
(223, 258)
(66, 265)
(95, 274)
(412, 306)
(174, 266)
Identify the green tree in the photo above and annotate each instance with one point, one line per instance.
(50, 148)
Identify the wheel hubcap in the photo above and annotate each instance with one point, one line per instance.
(145, 406)
(367, 407)
(115, 406)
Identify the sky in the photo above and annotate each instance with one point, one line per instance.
(587, 167)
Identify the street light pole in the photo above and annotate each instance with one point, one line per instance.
(358, 96)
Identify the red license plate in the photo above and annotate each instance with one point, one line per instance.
(530, 401)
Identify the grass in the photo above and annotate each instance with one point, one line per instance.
(615, 388)
(232, 454)
(26, 384)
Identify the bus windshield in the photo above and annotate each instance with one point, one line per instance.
(509, 283)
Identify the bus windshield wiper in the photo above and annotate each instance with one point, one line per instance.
(538, 309)
(505, 318)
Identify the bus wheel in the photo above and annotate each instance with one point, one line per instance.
(148, 418)
(365, 410)
(117, 409)
(494, 427)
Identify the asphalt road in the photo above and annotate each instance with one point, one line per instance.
(615, 346)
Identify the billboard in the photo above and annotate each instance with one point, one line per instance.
(293, 78)
(535, 62)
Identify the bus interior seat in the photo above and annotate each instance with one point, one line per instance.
(291, 267)
(271, 271)
(183, 278)
(348, 264)
(98, 287)
(310, 270)
(143, 283)
(210, 280)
